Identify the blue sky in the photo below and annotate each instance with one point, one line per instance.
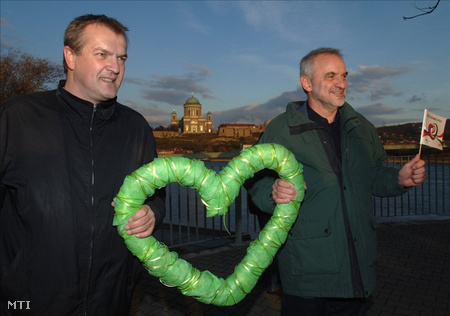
(240, 58)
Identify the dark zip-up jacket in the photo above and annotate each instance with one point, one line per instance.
(62, 161)
(331, 248)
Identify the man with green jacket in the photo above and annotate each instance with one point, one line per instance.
(327, 264)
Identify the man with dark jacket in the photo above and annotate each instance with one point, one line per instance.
(327, 264)
(63, 157)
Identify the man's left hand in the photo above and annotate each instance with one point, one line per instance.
(413, 173)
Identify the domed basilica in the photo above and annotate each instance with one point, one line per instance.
(193, 120)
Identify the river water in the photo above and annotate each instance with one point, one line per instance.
(432, 197)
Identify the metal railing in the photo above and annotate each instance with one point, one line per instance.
(187, 223)
(430, 198)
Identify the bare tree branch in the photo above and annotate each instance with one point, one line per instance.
(22, 73)
(430, 9)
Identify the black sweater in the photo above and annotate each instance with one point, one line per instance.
(62, 161)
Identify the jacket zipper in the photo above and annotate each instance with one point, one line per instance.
(92, 208)
(358, 286)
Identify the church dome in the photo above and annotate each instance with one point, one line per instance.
(192, 100)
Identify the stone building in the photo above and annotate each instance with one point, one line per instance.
(193, 120)
(238, 130)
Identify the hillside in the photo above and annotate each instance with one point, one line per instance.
(202, 143)
(406, 133)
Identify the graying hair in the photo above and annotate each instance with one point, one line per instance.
(306, 64)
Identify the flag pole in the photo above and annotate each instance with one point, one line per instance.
(421, 131)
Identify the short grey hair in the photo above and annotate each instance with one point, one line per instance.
(306, 64)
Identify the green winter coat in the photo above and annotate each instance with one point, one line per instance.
(315, 260)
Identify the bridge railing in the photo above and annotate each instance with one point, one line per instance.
(187, 223)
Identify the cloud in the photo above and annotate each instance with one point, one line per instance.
(249, 59)
(378, 109)
(379, 72)
(272, 16)
(146, 109)
(192, 21)
(5, 24)
(175, 89)
(169, 96)
(261, 63)
(178, 83)
(383, 89)
(203, 71)
(416, 98)
(135, 81)
(154, 115)
(196, 25)
(373, 80)
(156, 121)
(250, 114)
(381, 114)
(294, 21)
(7, 38)
(257, 113)
(5, 45)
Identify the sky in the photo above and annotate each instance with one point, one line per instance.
(241, 58)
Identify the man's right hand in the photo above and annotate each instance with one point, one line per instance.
(283, 192)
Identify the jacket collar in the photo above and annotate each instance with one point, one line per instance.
(293, 110)
(298, 119)
(105, 109)
(349, 117)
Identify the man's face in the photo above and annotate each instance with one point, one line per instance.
(328, 84)
(95, 74)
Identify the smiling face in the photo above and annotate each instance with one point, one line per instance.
(96, 72)
(327, 86)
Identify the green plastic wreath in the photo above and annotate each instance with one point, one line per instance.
(217, 192)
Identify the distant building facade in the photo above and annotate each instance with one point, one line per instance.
(193, 120)
(238, 130)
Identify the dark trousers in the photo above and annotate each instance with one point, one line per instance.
(292, 305)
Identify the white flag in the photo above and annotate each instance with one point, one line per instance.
(433, 127)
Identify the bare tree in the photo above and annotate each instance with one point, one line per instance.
(22, 73)
(425, 11)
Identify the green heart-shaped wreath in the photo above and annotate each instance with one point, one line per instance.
(217, 192)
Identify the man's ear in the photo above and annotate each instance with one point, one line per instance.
(69, 57)
(306, 83)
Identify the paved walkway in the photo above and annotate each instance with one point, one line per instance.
(413, 277)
